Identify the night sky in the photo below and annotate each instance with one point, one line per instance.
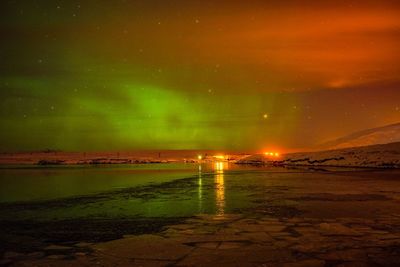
(237, 75)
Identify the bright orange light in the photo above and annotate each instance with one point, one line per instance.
(274, 154)
(219, 157)
(199, 157)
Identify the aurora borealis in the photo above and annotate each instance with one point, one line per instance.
(124, 75)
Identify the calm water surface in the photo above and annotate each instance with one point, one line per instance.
(171, 190)
(27, 183)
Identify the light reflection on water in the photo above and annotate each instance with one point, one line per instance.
(151, 197)
(200, 190)
(219, 188)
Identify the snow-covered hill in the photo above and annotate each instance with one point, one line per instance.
(377, 156)
(380, 135)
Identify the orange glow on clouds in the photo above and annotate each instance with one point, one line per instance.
(323, 46)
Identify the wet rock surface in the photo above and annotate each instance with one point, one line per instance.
(235, 240)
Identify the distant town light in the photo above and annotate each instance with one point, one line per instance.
(273, 154)
(219, 157)
(199, 157)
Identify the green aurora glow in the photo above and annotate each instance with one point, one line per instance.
(97, 75)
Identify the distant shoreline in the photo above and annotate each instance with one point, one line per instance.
(385, 156)
(106, 158)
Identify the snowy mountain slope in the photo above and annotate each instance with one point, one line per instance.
(380, 135)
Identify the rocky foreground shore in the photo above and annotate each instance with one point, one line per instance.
(236, 240)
